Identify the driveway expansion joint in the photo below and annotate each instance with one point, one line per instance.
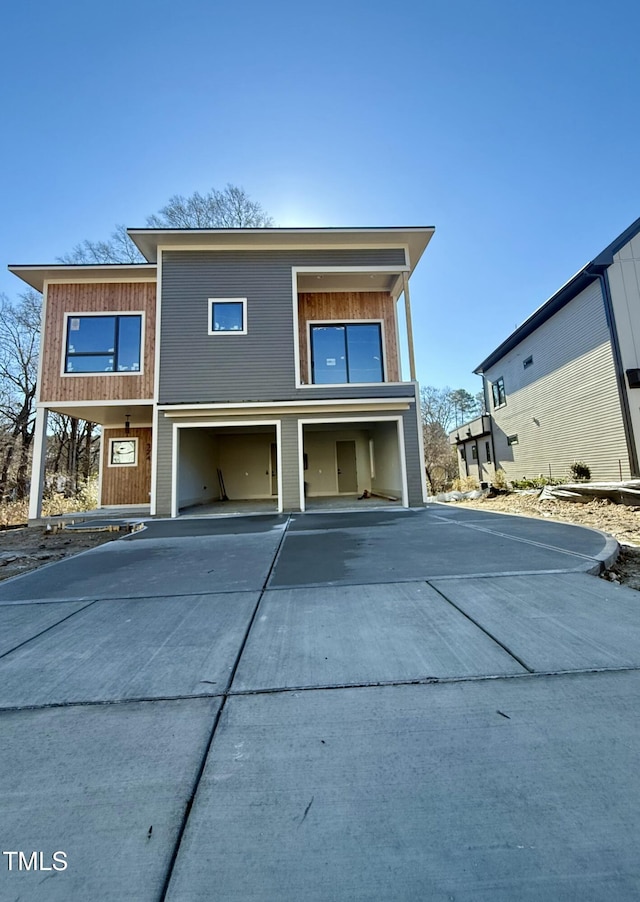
(216, 721)
(47, 629)
(482, 629)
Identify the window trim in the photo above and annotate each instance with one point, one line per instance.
(494, 384)
(65, 340)
(344, 322)
(527, 362)
(122, 438)
(212, 331)
(513, 439)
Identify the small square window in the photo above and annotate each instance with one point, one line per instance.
(512, 439)
(123, 452)
(227, 316)
(527, 363)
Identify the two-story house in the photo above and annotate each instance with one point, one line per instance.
(565, 385)
(248, 364)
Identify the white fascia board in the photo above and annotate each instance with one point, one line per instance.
(127, 402)
(257, 404)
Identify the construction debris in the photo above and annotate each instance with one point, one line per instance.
(582, 492)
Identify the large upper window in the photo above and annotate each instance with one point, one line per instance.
(499, 396)
(103, 344)
(350, 352)
(227, 316)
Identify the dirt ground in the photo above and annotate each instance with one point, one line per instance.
(618, 520)
(26, 549)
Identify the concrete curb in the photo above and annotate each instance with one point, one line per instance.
(604, 560)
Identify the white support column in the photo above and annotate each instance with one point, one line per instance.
(37, 467)
(407, 313)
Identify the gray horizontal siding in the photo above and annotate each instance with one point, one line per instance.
(564, 406)
(413, 457)
(198, 368)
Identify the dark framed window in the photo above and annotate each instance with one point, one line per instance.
(103, 344)
(227, 316)
(346, 352)
(497, 389)
(487, 448)
(512, 439)
(527, 363)
(474, 452)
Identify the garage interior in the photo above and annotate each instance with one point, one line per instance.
(222, 464)
(345, 460)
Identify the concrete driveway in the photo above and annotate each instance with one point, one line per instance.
(391, 705)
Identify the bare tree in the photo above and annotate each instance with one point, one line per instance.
(19, 346)
(227, 209)
(119, 248)
(231, 208)
(438, 408)
(72, 452)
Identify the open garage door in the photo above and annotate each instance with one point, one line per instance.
(345, 460)
(227, 469)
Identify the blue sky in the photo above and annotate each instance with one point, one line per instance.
(511, 127)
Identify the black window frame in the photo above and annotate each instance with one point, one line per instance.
(227, 302)
(527, 362)
(498, 393)
(346, 325)
(513, 439)
(102, 353)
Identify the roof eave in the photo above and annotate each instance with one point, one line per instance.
(558, 300)
(35, 275)
(416, 237)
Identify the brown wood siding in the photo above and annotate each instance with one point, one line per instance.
(127, 485)
(345, 306)
(103, 297)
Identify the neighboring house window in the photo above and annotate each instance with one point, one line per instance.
(474, 452)
(488, 450)
(227, 316)
(512, 439)
(123, 452)
(349, 352)
(499, 397)
(527, 363)
(103, 344)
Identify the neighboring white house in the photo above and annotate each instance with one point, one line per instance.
(565, 385)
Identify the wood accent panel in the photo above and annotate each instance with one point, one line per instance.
(127, 485)
(111, 297)
(345, 306)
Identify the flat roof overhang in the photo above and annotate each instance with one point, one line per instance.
(415, 238)
(109, 416)
(36, 275)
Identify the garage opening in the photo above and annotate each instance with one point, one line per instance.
(227, 469)
(346, 463)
